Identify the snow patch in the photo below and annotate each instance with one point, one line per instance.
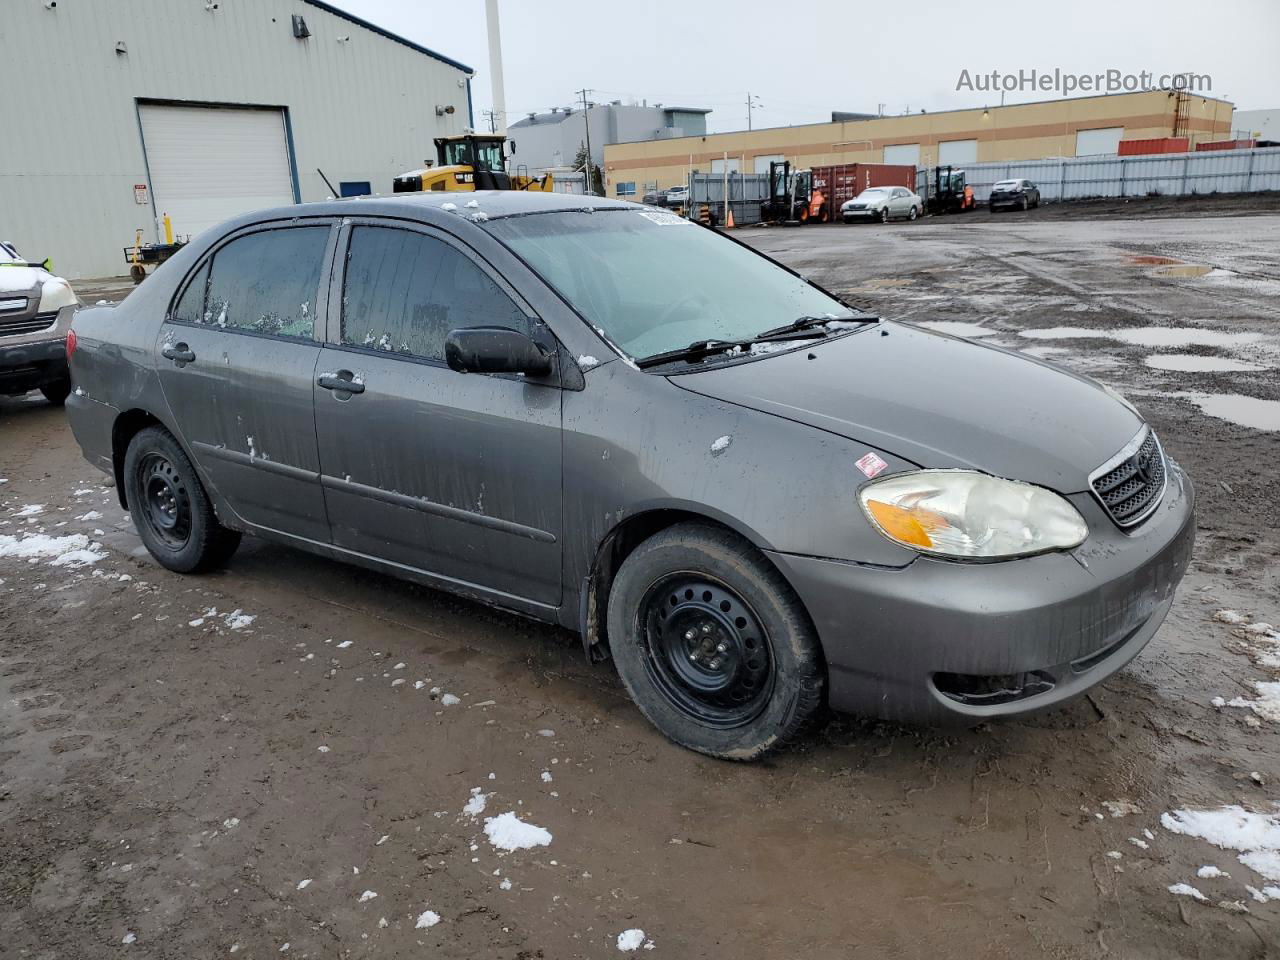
(426, 920)
(91, 515)
(720, 445)
(74, 550)
(633, 939)
(475, 805)
(509, 832)
(1186, 890)
(587, 362)
(1209, 872)
(367, 896)
(303, 884)
(30, 510)
(1121, 808)
(238, 619)
(1255, 836)
(449, 700)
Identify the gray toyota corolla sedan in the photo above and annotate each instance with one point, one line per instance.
(752, 497)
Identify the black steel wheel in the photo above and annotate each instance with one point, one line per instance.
(705, 649)
(712, 643)
(169, 506)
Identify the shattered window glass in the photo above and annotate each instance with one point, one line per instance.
(267, 282)
(404, 292)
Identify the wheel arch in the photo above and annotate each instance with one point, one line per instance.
(618, 544)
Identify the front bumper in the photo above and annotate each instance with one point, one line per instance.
(29, 366)
(867, 213)
(1060, 623)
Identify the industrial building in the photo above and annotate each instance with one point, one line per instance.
(1258, 124)
(121, 112)
(546, 141)
(1076, 127)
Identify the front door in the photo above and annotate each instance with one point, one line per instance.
(454, 475)
(236, 357)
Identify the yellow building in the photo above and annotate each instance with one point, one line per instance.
(1074, 127)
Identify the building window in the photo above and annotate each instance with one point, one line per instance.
(627, 188)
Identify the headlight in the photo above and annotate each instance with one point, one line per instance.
(55, 294)
(960, 513)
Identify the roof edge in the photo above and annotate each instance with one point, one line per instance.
(382, 32)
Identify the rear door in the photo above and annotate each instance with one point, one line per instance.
(237, 356)
(454, 475)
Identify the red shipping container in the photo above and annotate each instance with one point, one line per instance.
(1227, 145)
(1137, 148)
(844, 181)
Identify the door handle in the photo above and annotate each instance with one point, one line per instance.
(344, 381)
(179, 353)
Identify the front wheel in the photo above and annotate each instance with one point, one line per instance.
(915, 212)
(58, 391)
(884, 215)
(170, 508)
(712, 644)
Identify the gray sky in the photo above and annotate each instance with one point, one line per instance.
(844, 55)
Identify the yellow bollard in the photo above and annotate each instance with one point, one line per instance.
(168, 230)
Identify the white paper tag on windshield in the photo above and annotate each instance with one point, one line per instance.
(871, 465)
(665, 219)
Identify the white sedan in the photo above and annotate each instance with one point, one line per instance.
(35, 315)
(881, 203)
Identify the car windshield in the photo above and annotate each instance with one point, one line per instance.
(9, 255)
(873, 194)
(654, 282)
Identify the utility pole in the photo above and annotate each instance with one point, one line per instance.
(499, 113)
(493, 128)
(752, 102)
(586, 123)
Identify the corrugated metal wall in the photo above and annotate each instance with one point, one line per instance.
(1172, 174)
(70, 149)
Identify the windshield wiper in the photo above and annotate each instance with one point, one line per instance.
(694, 351)
(801, 324)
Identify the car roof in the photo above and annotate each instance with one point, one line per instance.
(429, 207)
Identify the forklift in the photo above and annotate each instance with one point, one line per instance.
(471, 161)
(792, 198)
(950, 194)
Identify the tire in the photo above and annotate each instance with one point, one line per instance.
(170, 508)
(1025, 204)
(884, 215)
(762, 680)
(915, 212)
(58, 391)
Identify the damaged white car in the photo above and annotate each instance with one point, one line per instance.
(35, 314)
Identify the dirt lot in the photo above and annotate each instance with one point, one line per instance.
(179, 782)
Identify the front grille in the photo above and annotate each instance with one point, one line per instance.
(1131, 489)
(16, 328)
(13, 304)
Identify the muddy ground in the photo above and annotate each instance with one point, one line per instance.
(164, 791)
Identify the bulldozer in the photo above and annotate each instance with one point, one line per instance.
(471, 162)
(792, 197)
(950, 194)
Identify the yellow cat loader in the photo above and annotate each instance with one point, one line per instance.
(470, 162)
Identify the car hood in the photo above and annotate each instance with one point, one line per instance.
(938, 401)
(21, 279)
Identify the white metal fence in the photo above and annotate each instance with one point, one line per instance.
(1169, 174)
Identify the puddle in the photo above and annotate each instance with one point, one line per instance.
(1190, 363)
(1245, 411)
(958, 328)
(1183, 270)
(1147, 260)
(1147, 336)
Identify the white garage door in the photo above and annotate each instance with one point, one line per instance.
(1091, 143)
(211, 163)
(957, 152)
(761, 163)
(908, 153)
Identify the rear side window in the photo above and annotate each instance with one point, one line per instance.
(404, 292)
(190, 307)
(264, 282)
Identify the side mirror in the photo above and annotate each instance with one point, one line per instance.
(495, 350)
(511, 148)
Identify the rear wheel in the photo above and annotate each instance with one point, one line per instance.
(170, 508)
(58, 391)
(712, 644)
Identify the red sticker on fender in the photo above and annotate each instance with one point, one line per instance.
(871, 465)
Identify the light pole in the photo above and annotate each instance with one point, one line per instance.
(586, 123)
(752, 102)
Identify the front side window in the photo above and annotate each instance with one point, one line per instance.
(604, 264)
(263, 282)
(404, 291)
